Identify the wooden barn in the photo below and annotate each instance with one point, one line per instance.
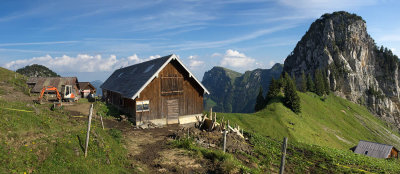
(162, 91)
(86, 88)
(36, 84)
(376, 150)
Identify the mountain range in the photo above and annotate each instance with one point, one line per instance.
(236, 92)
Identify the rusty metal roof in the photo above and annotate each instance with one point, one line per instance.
(373, 149)
(131, 80)
(57, 82)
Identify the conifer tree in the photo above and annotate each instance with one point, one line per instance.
(310, 84)
(326, 83)
(319, 83)
(291, 99)
(303, 85)
(273, 90)
(260, 101)
(281, 81)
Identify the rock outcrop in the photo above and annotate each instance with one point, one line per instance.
(357, 69)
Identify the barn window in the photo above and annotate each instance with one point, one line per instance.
(142, 106)
(171, 84)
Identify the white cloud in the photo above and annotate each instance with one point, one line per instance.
(194, 63)
(192, 57)
(216, 55)
(271, 63)
(79, 63)
(235, 59)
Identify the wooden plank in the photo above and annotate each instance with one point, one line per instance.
(173, 110)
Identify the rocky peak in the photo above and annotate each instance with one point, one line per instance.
(339, 44)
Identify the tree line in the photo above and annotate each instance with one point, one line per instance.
(287, 85)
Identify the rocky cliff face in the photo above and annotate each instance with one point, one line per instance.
(235, 92)
(357, 69)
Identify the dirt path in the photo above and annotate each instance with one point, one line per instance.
(77, 109)
(150, 152)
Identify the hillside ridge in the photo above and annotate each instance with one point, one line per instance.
(36, 70)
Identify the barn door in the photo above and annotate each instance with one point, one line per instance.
(173, 111)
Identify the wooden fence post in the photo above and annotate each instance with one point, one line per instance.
(224, 140)
(88, 129)
(211, 114)
(284, 145)
(101, 119)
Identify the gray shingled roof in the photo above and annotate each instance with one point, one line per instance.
(372, 149)
(129, 81)
(57, 82)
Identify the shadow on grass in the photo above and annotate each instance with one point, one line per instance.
(109, 110)
(80, 143)
(277, 99)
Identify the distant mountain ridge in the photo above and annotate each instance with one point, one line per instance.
(97, 84)
(232, 91)
(36, 70)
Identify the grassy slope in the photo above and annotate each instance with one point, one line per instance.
(334, 122)
(314, 146)
(46, 141)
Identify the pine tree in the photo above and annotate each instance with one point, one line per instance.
(260, 101)
(319, 83)
(303, 85)
(326, 83)
(273, 90)
(310, 84)
(281, 81)
(291, 99)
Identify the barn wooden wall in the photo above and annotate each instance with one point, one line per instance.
(393, 153)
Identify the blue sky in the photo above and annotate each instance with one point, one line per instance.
(90, 39)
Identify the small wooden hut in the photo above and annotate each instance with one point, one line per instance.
(376, 150)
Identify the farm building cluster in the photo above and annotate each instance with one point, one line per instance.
(78, 89)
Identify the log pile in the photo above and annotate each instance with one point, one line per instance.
(209, 123)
